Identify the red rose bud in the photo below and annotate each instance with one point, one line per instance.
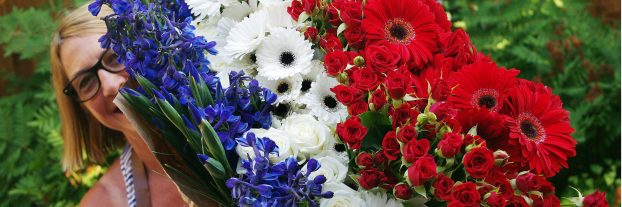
(377, 99)
(311, 34)
(501, 157)
(517, 200)
(295, 9)
(467, 195)
(370, 178)
(380, 159)
(352, 132)
(330, 43)
(545, 201)
(421, 171)
(396, 83)
(335, 62)
(415, 149)
(355, 36)
(309, 5)
(528, 182)
(390, 146)
(351, 13)
(333, 18)
(402, 114)
(364, 160)
(596, 199)
(358, 108)
(478, 162)
(494, 200)
(450, 144)
(380, 58)
(442, 187)
(440, 90)
(407, 133)
(402, 191)
(365, 79)
(347, 95)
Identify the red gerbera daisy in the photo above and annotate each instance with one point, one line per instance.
(540, 128)
(480, 85)
(407, 25)
(491, 126)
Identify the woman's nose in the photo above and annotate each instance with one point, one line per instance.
(111, 82)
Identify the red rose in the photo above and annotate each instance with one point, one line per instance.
(402, 114)
(335, 62)
(363, 160)
(357, 108)
(330, 43)
(478, 162)
(311, 34)
(352, 132)
(440, 90)
(457, 44)
(455, 203)
(365, 79)
(333, 14)
(380, 58)
(596, 199)
(546, 201)
(443, 186)
(503, 184)
(380, 159)
(466, 194)
(470, 139)
(528, 182)
(402, 191)
(450, 144)
(355, 37)
(397, 84)
(351, 13)
(517, 201)
(421, 171)
(309, 5)
(415, 149)
(495, 200)
(443, 111)
(390, 180)
(347, 95)
(390, 146)
(377, 99)
(370, 178)
(295, 9)
(407, 133)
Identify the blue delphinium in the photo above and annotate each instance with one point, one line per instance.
(281, 184)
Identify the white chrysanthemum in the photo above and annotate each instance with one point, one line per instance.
(246, 36)
(379, 199)
(343, 196)
(286, 89)
(203, 8)
(284, 53)
(322, 101)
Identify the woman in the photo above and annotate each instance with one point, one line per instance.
(86, 79)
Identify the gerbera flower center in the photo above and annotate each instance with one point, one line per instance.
(530, 126)
(281, 111)
(485, 97)
(283, 87)
(330, 102)
(287, 58)
(399, 31)
(306, 85)
(253, 57)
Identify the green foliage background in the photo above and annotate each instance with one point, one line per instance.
(558, 43)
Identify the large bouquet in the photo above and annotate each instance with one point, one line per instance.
(334, 103)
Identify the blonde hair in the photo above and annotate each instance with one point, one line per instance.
(84, 137)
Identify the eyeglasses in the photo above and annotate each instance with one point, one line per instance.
(85, 85)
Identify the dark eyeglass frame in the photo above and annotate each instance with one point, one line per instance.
(70, 91)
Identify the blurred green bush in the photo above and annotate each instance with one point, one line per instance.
(559, 43)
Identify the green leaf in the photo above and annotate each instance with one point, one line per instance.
(421, 190)
(210, 139)
(377, 124)
(215, 169)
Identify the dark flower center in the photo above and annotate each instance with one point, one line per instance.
(330, 102)
(253, 57)
(530, 126)
(488, 101)
(281, 110)
(340, 147)
(399, 31)
(283, 87)
(287, 58)
(485, 97)
(306, 85)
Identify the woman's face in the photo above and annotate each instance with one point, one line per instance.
(81, 53)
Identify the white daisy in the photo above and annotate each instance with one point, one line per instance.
(379, 199)
(322, 101)
(287, 89)
(246, 36)
(203, 8)
(284, 53)
(309, 78)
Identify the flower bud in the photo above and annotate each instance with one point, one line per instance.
(359, 61)
(402, 191)
(501, 157)
(364, 160)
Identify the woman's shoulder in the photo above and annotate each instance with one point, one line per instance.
(108, 191)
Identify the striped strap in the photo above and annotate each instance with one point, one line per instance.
(128, 178)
